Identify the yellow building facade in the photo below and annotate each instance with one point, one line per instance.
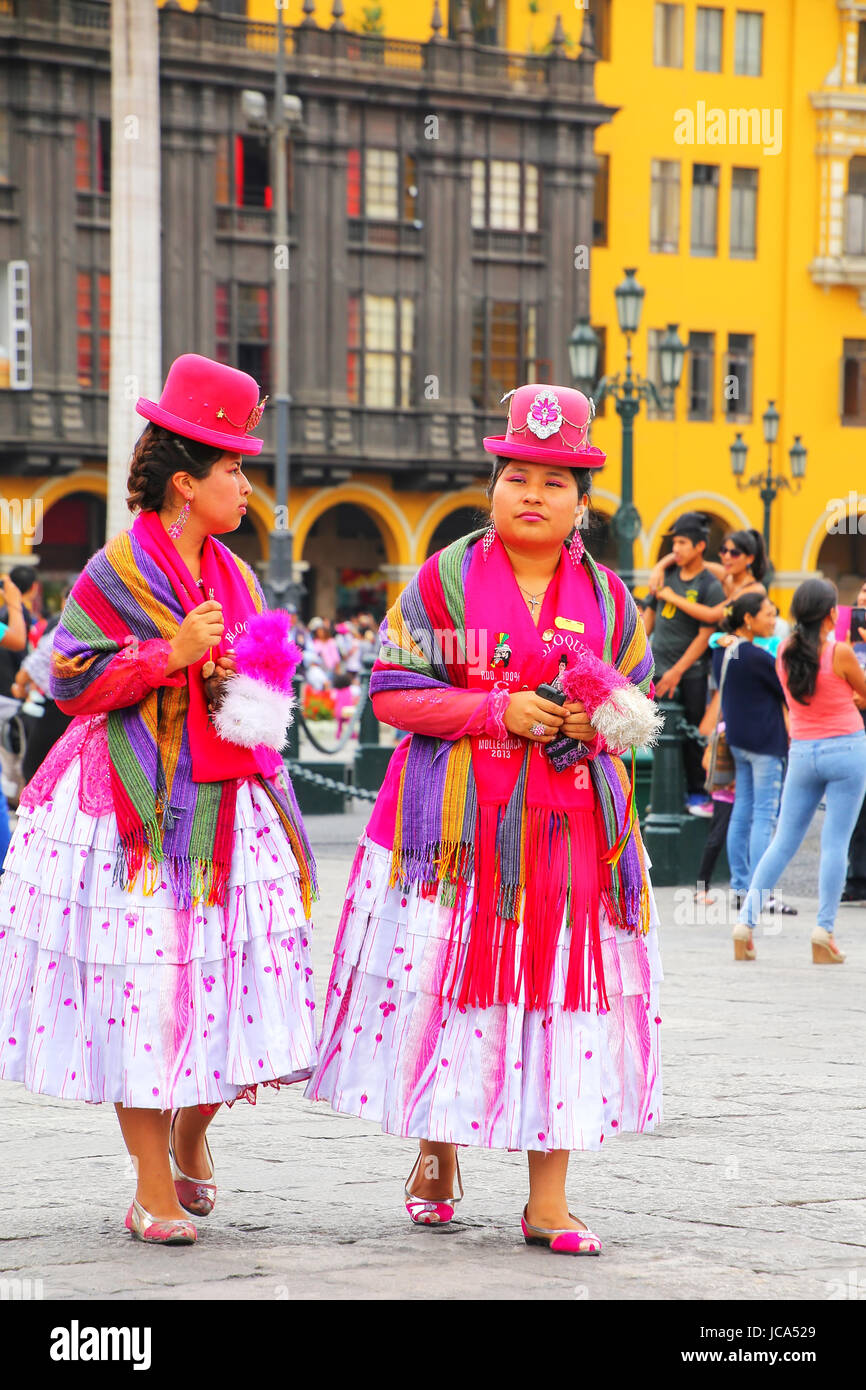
(769, 96)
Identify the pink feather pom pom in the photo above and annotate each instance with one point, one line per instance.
(590, 679)
(266, 653)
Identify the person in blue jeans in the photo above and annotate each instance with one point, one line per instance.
(824, 691)
(753, 709)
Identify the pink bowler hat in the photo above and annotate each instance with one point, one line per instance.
(210, 402)
(548, 424)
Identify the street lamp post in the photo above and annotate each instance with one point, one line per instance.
(770, 483)
(282, 591)
(628, 391)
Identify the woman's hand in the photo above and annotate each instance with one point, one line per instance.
(577, 723)
(526, 709)
(668, 595)
(200, 629)
(225, 668)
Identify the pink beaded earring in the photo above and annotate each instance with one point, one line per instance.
(488, 539)
(576, 549)
(178, 524)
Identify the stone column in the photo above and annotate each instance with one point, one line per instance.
(136, 338)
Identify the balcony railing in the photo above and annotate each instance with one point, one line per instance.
(334, 52)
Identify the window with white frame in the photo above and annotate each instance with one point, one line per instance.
(705, 209)
(744, 213)
(748, 43)
(380, 343)
(381, 185)
(739, 373)
(16, 357)
(708, 39)
(665, 205)
(668, 36)
(505, 195)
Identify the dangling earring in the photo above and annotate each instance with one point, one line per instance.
(488, 539)
(178, 524)
(577, 548)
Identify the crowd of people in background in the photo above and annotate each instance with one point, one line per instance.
(334, 655)
(783, 710)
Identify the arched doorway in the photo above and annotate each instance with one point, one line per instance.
(456, 524)
(345, 553)
(842, 557)
(73, 529)
(719, 527)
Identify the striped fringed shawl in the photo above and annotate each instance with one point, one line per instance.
(166, 821)
(424, 646)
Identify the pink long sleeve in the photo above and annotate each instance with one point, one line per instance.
(448, 714)
(129, 676)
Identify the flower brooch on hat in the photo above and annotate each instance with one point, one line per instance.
(255, 703)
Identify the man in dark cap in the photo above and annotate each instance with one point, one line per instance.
(679, 643)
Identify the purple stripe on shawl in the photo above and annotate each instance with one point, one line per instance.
(425, 776)
(398, 678)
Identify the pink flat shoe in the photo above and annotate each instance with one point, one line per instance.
(561, 1242)
(154, 1231)
(194, 1195)
(436, 1215)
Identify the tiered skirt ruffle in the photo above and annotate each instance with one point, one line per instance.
(109, 995)
(503, 1077)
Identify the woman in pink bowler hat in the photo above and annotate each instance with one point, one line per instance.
(154, 909)
(495, 972)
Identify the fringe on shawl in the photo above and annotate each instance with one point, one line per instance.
(505, 961)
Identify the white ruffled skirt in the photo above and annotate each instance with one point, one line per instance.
(107, 995)
(505, 1077)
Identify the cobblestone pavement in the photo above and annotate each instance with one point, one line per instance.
(752, 1188)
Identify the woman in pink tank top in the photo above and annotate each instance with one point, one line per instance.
(824, 690)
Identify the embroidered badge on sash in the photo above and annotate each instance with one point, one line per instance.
(502, 651)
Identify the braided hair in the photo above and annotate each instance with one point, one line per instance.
(811, 604)
(158, 454)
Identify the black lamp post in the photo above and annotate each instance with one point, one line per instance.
(770, 483)
(628, 391)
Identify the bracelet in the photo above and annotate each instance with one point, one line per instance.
(497, 703)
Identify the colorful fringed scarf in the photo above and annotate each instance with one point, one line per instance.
(447, 832)
(173, 788)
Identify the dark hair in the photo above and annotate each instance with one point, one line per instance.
(810, 605)
(157, 455)
(582, 476)
(23, 577)
(735, 613)
(752, 543)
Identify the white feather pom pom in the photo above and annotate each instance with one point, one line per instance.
(252, 713)
(628, 719)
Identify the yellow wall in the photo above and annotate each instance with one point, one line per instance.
(798, 326)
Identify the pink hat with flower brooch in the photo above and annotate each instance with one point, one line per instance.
(548, 424)
(209, 402)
